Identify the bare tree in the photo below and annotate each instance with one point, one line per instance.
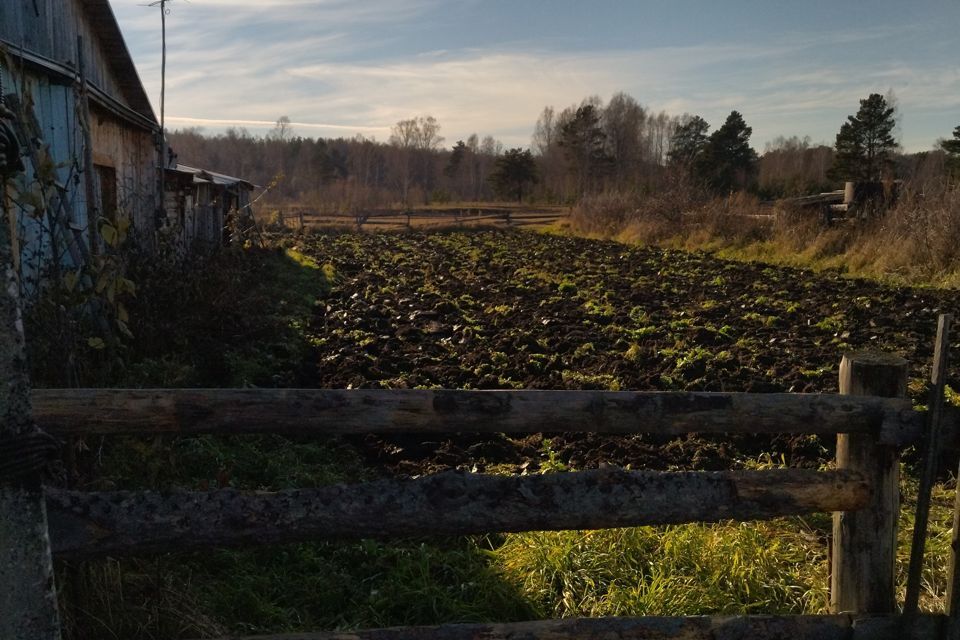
(405, 134)
(545, 131)
(623, 122)
(282, 130)
(428, 133)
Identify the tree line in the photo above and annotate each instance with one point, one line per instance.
(579, 150)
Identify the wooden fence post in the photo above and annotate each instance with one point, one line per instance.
(953, 577)
(28, 598)
(865, 541)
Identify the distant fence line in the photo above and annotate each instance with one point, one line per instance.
(302, 217)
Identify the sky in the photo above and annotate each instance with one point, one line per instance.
(338, 68)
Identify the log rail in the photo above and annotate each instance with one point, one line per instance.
(74, 412)
(85, 524)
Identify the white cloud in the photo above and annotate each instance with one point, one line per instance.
(328, 65)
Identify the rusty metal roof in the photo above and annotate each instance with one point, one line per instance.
(202, 175)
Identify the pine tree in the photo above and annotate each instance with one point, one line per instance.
(584, 141)
(457, 155)
(952, 149)
(728, 161)
(688, 142)
(865, 141)
(513, 171)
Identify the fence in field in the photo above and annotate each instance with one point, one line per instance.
(871, 417)
(301, 218)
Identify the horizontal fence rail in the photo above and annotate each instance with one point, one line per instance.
(84, 524)
(66, 412)
(835, 627)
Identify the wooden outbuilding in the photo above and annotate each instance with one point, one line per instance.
(204, 207)
(88, 133)
(91, 144)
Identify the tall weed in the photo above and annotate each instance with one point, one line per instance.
(917, 241)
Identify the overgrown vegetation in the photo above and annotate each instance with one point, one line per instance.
(914, 242)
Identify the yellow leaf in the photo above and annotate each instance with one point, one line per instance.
(96, 343)
(122, 314)
(109, 234)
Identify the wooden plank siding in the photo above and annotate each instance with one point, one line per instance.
(39, 42)
(131, 153)
(54, 106)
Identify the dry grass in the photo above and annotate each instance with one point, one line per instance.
(915, 242)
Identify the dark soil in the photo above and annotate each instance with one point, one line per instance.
(500, 309)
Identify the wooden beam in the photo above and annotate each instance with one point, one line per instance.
(839, 627)
(931, 460)
(865, 542)
(341, 411)
(450, 503)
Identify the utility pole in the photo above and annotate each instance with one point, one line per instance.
(163, 90)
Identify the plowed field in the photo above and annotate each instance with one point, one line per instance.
(500, 309)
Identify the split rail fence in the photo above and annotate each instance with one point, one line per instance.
(300, 218)
(872, 419)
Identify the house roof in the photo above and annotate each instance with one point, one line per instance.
(105, 25)
(202, 175)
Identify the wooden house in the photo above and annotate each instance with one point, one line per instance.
(91, 143)
(88, 132)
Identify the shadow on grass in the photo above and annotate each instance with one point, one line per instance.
(292, 588)
(243, 319)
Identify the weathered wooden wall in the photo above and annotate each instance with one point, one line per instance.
(54, 114)
(39, 45)
(131, 152)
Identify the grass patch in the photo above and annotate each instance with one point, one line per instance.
(768, 567)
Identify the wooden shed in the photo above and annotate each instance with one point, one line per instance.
(201, 206)
(88, 132)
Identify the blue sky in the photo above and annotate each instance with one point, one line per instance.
(343, 67)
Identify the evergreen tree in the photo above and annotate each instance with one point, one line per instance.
(513, 171)
(952, 149)
(688, 142)
(865, 142)
(456, 159)
(728, 161)
(585, 143)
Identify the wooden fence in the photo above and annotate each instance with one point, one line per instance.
(302, 218)
(872, 419)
